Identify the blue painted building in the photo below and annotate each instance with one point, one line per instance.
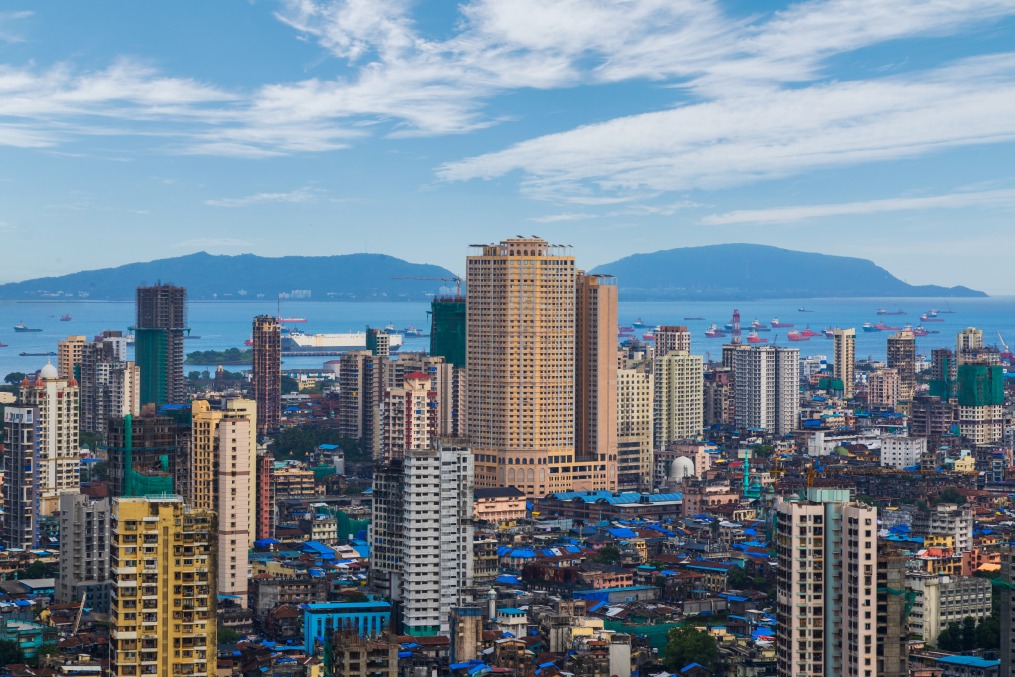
(320, 621)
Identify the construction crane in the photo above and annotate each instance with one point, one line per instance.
(81, 610)
(457, 280)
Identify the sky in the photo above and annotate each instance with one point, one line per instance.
(881, 129)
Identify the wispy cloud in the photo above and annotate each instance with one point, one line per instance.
(306, 194)
(558, 218)
(986, 199)
(8, 29)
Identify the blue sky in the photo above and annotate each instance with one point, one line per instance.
(875, 128)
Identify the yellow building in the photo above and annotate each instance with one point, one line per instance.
(634, 428)
(223, 449)
(68, 352)
(163, 593)
(844, 352)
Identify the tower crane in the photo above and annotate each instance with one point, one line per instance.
(457, 280)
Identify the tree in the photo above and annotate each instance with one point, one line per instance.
(228, 635)
(290, 385)
(11, 652)
(736, 578)
(14, 378)
(609, 554)
(689, 644)
(949, 495)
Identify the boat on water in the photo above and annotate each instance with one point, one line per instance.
(867, 326)
(248, 342)
(920, 330)
(752, 337)
(292, 320)
(648, 336)
(797, 336)
(714, 331)
(688, 319)
(804, 310)
(130, 339)
(298, 342)
(777, 324)
(885, 311)
(20, 327)
(189, 337)
(931, 316)
(881, 326)
(808, 332)
(756, 325)
(829, 332)
(414, 332)
(639, 324)
(49, 354)
(3, 345)
(625, 330)
(65, 317)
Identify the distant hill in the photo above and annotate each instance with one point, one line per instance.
(751, 271)
(350, 277)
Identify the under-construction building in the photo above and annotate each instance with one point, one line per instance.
(267, 373)
(144, 458)
(447, 329)
(158, 346)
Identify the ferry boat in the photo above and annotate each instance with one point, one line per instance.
(297, 341)
(797, 336)
(714, 331)
(65, 317)
(20, 327)
(777, 324)
(808, 332)
(753, 337)
(867, 326)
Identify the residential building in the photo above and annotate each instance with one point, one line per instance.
(520, 356)
(1007, 595)
(827, 585)
(20, 462)
(447, 329)
(144, 455)
(635, 397)
(767, 384)
(946, 519)
(899, 451)
(322, 620)
(409, 417)
(844, 356)
(84, 552)
(892, 615)
(68, 360)
(223, 459)
(158, 348)
(56, 400)
(943, 599)
(670, 339)
(719, 403)
(355, 656)
(446, 379)
(267, 373)
(500, 505)
(421, 534)
(163, 603)
(902, 358)
(883, 389)
(110, 385)
(363, 376)
(968, 340)
(980, 402)
(678, 393)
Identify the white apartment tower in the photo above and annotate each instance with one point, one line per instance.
(767, 387)
(679, 397)
(58, 470)
(409, 417)
(827, 586)
(634, 428)
(421, 534)
(844, 354)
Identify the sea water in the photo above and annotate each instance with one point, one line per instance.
(227, 324)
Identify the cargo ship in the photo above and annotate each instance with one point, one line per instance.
(867, 326)
(753, 337)
(639, 324)
(291, 320)
(797, 336)
(756, 325)
(808, 332)
(20, 327)
(930, 316)
(330, 344)
(777, 324)
(885, 311)
(65, 317)
(714, 332)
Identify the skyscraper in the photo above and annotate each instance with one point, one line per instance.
(84, 551)
(672, 338)
(634, 428)
(409, 417)
(421, 534)
(158, 348)
(447, 329)
(902, 358)
(144, 456)
(678, 391)
(163, 603)
(844, 352)
(826, 594)
(767, 385)
(520, 358)
(267, 373)
(109, 384)
(595, 382)
(59, 459)
(21, 482)
(362, 380)
(69, 356)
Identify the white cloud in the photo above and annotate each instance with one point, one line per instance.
(299, 195)
(765, 134)
(8, 30)
(988, 199)
(558, 218)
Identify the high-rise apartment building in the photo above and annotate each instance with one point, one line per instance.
(980, 390)
(521, 356)
(969, 338)
(144, 456)
(59, 460)
(158, 347)
(421, 534)
(163, 602)
(223, 457)
(826, 598)
(68, 358)
(679, 394)
(893, 615)
(84, 552)
(267, 373)
(447, 329)
(446, 379)
(1007, 594)
(844, 354)
(669, 339)
(634, 428)
(902, 358)
(883, 389)
(20, 463)
(767, 385)
(409, 417)
(363, 377)
(595, 382)
(110, 385)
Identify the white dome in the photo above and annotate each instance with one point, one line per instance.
(48, 372)
(681, 467)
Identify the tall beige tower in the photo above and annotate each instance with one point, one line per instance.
(520, 357)
(902, 358)
(679, 397)
(68, 353)
(844, 347)
(59, 460)
(163, 596)
(223, 462)
(595, 382)
(669, 339)
(634, 427)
